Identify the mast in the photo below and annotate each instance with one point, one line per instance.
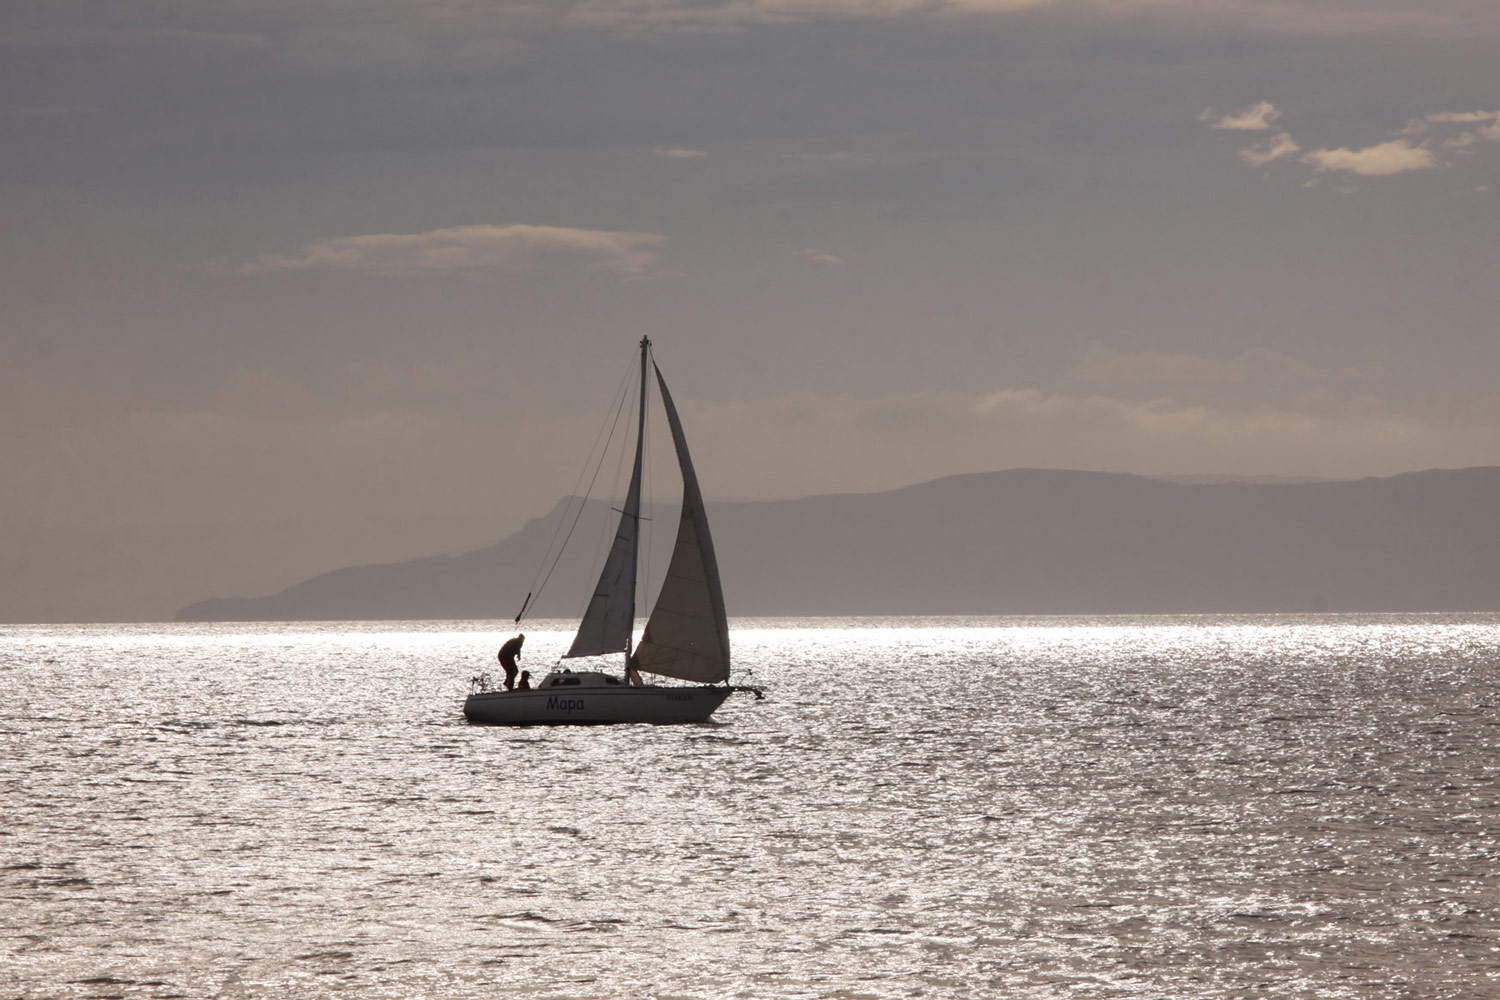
(635, 502)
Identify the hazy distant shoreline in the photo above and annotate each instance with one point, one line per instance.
(1022, 541)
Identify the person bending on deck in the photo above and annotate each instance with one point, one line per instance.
(507, 657)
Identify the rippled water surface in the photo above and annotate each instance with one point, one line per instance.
(1115, 807)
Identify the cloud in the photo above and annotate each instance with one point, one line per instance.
(818, 257)
(695, 15)
(1414, 146)
(1278, 147)
(465, 33)
(1398, 156)
(1489, 122)
(1151, 368)
(1157, 368)
(679, 153)
(1463, 141)
(1462, 117)
(1256, 118)
(144, 31)
(1446, 18)
(465, 248)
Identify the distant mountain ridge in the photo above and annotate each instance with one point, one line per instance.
(1021, 541)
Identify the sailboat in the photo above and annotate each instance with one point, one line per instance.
(686, 636)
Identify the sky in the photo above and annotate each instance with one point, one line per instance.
(290, 286)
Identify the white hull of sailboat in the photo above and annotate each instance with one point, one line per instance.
(594, 706)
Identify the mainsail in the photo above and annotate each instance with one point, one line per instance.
(687, 635)
(610, 619)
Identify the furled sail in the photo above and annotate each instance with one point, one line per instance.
(687, 636)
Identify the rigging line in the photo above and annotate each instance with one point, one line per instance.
(611, 424)
(583, 504)
(588, 461)
(572, 495)
(608, 523)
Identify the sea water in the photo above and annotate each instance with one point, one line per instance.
(1011, 807)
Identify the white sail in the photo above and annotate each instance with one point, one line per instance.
(610, 618)
(687, 635)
